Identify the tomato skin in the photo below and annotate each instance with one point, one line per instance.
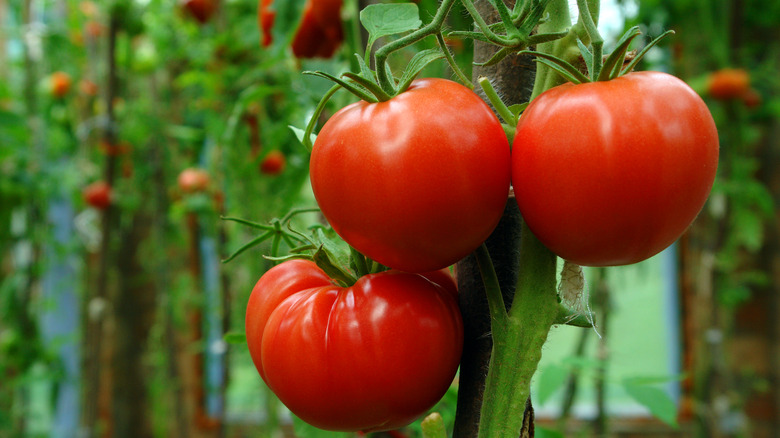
(417, 182)
(611, 173)
(98, 195)
(373, 356)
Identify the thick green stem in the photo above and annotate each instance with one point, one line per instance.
(517, 346)
(498, 104)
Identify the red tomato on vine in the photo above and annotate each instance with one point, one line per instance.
(612, 172)
(372, 356)
(417, 182)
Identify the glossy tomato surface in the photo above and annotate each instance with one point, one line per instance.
(417, 182)
(373, 356)
(611, 173)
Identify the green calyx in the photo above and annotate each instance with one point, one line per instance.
(616, 64)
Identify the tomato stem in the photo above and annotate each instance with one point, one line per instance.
(451, 61)
(307, 142)
(432, 28)
(517, 343)
(589, 20)
(498, 104)
(498, 315)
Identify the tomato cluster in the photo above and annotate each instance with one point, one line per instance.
(604, 173)
(372, 356)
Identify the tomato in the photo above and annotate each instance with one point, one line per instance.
(201, 10)
(59, 84)
(372, 356)
(98, 195)
(193, 180)
(319, 33)
(728, 83)
(611, 173)
(273, 163)
(417, 182)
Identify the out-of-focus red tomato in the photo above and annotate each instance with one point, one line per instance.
(273, 163)
(728, 83)
(98, 195)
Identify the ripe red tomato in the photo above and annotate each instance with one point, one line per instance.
(59, 84)
(728, 83)
(611, 173)
(373, 356)
(273, 163)
(417, 182)
(320, 32)
(201, 10)
(98, 195)
(193, 180)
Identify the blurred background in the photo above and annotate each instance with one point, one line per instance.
(128, 127)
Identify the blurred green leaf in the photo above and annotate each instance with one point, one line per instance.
(551, 379)
(654, 399)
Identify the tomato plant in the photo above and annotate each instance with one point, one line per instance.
(98, 195)
(192, 180)
(273, 163)
(417, 182)
(371, 356)
(611, 173)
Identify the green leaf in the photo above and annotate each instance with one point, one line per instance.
(300, 133)
(655, 400)
(235, 337)
(551, 380)
(417, 64)
(389, 19)
(518, 108)
(542, 432)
